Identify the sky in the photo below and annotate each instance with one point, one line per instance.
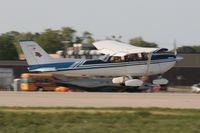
(159, 21)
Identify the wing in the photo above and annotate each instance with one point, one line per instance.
(119, 49)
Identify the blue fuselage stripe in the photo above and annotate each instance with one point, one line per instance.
(66, 65)
(52, 65)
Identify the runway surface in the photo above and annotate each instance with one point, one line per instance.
(85, 99)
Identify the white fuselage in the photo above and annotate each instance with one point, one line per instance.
(133, 70)
(123, 60)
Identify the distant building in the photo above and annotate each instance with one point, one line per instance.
(186, 72)
(17, 66)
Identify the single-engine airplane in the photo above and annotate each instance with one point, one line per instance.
(124, 62)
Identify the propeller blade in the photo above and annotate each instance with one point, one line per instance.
(175, 48)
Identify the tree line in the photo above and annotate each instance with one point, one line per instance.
(54, 40)
(50, 40)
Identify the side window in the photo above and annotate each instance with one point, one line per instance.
(144, 56)
(115, 59)
(136, 57)
(132, 57)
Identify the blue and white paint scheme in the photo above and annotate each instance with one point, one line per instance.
(120, 60)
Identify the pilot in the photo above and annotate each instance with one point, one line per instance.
(144, 56)
(139, 56)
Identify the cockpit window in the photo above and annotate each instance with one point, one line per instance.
(136, 57)
(161, 50)
(116, 59)
(130, 57)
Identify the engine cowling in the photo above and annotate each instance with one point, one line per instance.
(134, 82)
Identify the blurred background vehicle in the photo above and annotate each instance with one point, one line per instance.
(196, 88)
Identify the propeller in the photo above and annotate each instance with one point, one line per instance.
(178, 58)
(175, 48)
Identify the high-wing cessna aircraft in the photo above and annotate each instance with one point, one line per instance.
(124, 62)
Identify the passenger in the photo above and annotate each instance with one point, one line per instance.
(135, 57)
(144, 56)
(117, 59)
(126, 58)
(139, 56)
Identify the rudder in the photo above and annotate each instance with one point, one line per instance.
(34, 54)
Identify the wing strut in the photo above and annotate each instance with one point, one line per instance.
(148, 63)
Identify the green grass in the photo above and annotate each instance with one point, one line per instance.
(98, 120)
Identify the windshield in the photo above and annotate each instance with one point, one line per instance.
(161, 50)
(105, 58)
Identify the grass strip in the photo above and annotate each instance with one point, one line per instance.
(98, 120)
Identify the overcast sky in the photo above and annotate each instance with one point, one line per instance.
(159, 21)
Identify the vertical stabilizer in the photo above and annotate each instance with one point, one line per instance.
(34, 54)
